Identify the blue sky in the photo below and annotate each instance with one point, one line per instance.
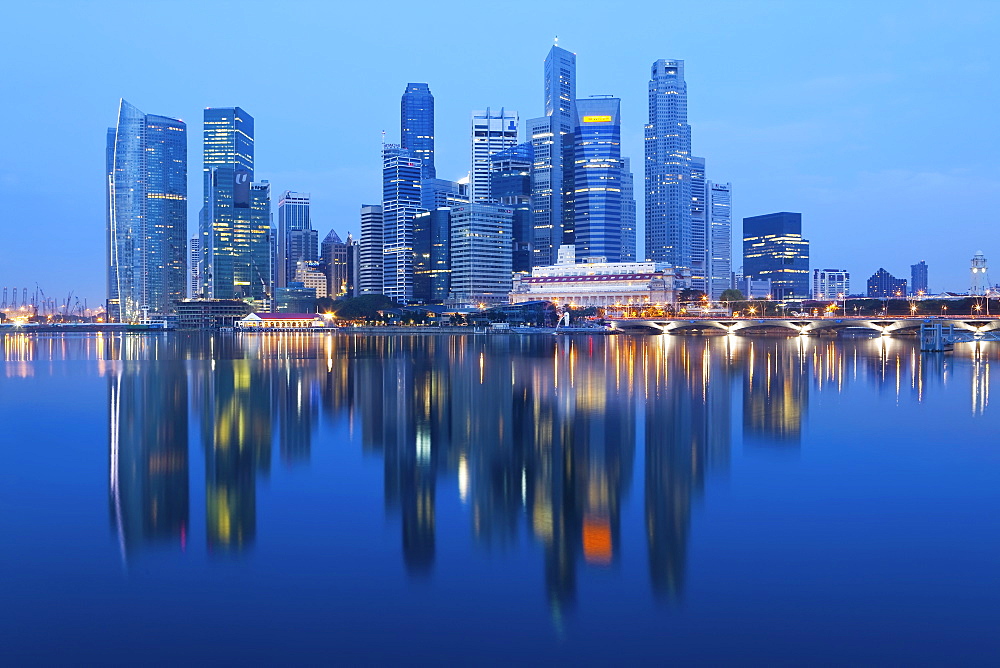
(876, 120)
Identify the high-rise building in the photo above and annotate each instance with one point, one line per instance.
(597, 180)
(918, 278)
(883, 285)
(699, 226)
(431, 256)
(333, 258)
(400, 203)
(628, 212)
(353, 265)
(370, 252)
(668, 167)
(146, 214)
(416, 126)
(481, 253)
(296, 236)
(493, 130)
(720, 238)
(510, 184)
(551, 137)
(235, 220)
(436, 193)
(194, 262)
(773, 249)
(831, 284)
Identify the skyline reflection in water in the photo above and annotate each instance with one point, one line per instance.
(568, 456)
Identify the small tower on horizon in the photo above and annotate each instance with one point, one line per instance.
(978, 280)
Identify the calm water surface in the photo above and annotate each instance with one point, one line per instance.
(349, 499)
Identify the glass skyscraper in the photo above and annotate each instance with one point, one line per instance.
(481, 253)
(668, 167)
(773, 249)
(551, 137)
(235, 223)
(416, 126)
(370, 253)
(597, 180)
(628, 212)
(492, 131)
(400, 203)
(297, 240)
(720, 238)
(510, 185)
(146, 162)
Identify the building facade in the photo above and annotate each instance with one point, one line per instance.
(551, 137)
(603, 284)
(436, 193)
(699, 226)
(720, 238)
(416, 126)
(432, 256)
(597, 180)
(400, 203)
(333, 259)
(773, 249)
(883, 285)
(146, 231)
(296, 237)
(194, 263)
(480, 253)
(628, 252)
(829, 284)
(370, 250)
(510, 184)
(918, 278)
(668, 167)
(493, 130)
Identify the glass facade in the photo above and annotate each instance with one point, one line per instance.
(146, 161)
(481, 253)
(431, 256)
(628, 212)
(668, 167)
(370, 252)
(493, 130)
(416, 126)
(720, 238)
(597, 180)
(400, 203)
(774, 250)
(510, 184)
(297, 239)
(699, 226)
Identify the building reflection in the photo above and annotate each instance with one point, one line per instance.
(775, 392)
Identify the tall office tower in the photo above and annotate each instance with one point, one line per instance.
(146, 214)
(481, 253)
(436, 193)
(720, 238)
(699, 226)
(431, 256)
(628, 212)
(597, 180)
(552, 139)
(272, 244)
(918, 278)
(510, 184)
(296, 237)
(235, 238)
(416, 126)
(831, 284)
(668, 167)
(334, 261)
(194, 262)
(492, 131)
(370, 253)
(773, 249)
(400, 203)
(353, 265)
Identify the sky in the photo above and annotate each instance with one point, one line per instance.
(876, 120)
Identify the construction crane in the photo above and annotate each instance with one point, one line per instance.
(69, 299)
(3, 306)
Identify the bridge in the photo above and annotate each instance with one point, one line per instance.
(954, 329)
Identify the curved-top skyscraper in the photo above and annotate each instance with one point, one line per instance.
(416, 126)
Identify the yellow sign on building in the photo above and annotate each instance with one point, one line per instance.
(596, 119)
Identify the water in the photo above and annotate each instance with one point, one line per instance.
(350, 499)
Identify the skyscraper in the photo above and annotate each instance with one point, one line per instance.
(194, 264)
(296, 236)
(699, 226)
(628, 212)
(334, 261)
(551, 137)
(719, 208)
(235, 220)
(146, 162)
(400, 203)
(668, 167)
(597, 181)
(493, 130)
(773, 249)
(510, 185)
(918, 278)
(416, 126)
(481, 253)
(370, 252)
(432, 256)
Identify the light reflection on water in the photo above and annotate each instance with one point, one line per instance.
(545, 442)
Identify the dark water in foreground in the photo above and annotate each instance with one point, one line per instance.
(348, 499)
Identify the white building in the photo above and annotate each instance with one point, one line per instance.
(493, 130)
(978, 278)
(311, 276)
(598, 284)
(481, 252)
(831, 284)
(194, 264)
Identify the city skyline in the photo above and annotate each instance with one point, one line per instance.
(766, 124)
